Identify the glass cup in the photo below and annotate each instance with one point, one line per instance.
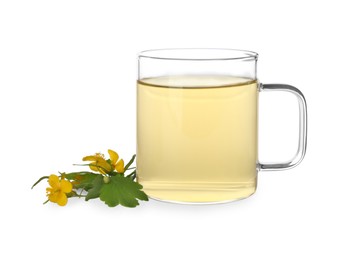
(197, 130)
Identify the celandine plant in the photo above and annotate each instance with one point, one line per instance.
(108, 181)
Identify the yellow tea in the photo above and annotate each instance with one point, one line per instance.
(197, 137)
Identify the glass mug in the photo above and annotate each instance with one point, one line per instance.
(197, 136)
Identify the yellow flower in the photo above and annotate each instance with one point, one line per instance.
(118, 165)
(57, 192)
(99, 164)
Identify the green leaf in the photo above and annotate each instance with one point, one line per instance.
(81, 180)
(85, 181)
(94, 191)
(130, 162)
(123, 191)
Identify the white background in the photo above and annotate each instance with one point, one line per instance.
(67, 81)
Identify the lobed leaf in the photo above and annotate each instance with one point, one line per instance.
(94, 192)
(122, 191)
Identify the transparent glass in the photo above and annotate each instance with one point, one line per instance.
(197, 131)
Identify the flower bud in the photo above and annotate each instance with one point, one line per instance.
(106, 179)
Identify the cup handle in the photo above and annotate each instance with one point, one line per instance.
(302, 141)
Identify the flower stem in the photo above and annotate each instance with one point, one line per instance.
(42, 178)
(79, 196)
(132, 175)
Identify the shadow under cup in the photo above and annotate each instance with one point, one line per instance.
(197, 125)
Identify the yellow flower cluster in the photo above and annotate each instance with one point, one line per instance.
(60, 188)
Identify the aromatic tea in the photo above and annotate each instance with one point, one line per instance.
(197, 137)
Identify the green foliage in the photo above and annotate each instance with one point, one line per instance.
(113, 188)
(122, 191)
(94, 192)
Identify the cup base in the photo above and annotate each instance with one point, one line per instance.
(200, 203)
(213, 195)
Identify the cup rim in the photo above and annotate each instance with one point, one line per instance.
(199, 54)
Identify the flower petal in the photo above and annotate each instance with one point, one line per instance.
(61, 199)
(93, 167)
(120, 166)
(66, 186)
(113, 156)
(53, 196)
(92, 158)
(104, 166)
(54, 181)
